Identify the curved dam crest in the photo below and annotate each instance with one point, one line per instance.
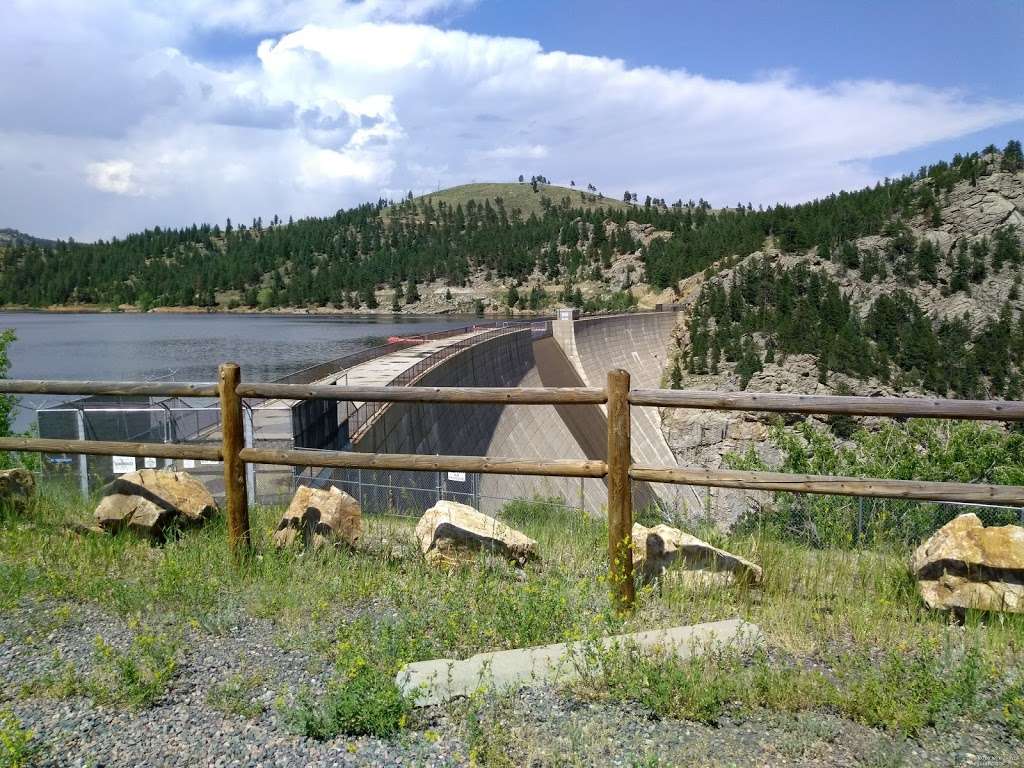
(579, 353)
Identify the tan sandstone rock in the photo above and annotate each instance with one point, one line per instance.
(450, 533)
(321, 517)
(16, 487)
(150, 500)
(662, 549)
(965, 565)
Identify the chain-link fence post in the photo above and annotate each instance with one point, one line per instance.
(860, 518)
(83, 460)
(250, 468)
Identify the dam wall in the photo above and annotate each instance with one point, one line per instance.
(522, 431)
(579, 353)
(637, 343)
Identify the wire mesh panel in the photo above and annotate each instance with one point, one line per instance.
(857, 521)
(410, 494)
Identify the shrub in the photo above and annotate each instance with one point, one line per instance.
(16, 747)
(235, 696)
(361, 699)
(919, 449)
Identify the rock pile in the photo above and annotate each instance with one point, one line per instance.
(149, 502)
(320, 518)
(451, 534)
(965, 565)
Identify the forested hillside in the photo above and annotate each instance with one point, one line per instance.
(569, 247)
(909, 288)
(929, 300)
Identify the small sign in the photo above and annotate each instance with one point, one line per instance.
(457, 477)
(149, 462)
(123, 464)
(188, 463)
(204, 461)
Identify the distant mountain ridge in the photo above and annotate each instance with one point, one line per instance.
(526, 246)
(10, 236)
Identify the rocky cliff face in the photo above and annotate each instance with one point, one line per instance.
(966, 214)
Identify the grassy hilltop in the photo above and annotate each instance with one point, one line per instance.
(521, 196)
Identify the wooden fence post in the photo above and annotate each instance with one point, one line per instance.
(233, 440)
(620, 496)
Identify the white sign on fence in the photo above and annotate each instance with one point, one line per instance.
(149, 462)
(188, 463)
(458, 477)
(123, 464)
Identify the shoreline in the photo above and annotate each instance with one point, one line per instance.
(92, 309)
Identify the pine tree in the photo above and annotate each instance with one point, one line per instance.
(1013, 158)
(676, 374)
(412, 293)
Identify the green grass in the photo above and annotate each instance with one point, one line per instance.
(521, 196)
(234, 696)
(17, 747)
(361, 698)
(846, 629)
(131, 678)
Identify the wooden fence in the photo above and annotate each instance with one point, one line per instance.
(618, 469)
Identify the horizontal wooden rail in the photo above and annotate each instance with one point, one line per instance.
(501, 395)
(1004, 495)
(986, 410)
(416, 462)
(123, 388)
(110, 448)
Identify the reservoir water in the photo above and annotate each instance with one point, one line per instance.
(188, 347)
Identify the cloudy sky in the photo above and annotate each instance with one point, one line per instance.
(121, 114)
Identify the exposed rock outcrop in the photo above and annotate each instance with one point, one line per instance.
(17, 486)
(967, 215)
(149, 502)
(451, 534)
(320, 518)
(965, 565)
(664, 550)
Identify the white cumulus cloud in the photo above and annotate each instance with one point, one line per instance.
(111, 126)
(116, 176)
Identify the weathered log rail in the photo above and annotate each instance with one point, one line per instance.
(618, 469)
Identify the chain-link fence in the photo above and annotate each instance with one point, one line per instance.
(409, 494)
(856, 521)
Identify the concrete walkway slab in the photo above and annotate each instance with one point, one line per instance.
(439, 680)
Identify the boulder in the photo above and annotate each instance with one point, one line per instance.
(966, 565)
(663, 549)
(450, 534)
(321, 517)
(16, 487)
(150, 501)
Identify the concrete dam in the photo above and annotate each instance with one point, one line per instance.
(574, 353)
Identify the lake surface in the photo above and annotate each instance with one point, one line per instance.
(189, 347)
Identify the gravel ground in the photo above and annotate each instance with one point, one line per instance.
(534, 727)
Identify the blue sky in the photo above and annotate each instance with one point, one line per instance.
(203, 109)
(971, 45)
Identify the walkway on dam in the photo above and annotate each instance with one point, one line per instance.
(273, 420)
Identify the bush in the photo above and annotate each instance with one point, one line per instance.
(16, 747)
(919, 449)
(362, 699)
